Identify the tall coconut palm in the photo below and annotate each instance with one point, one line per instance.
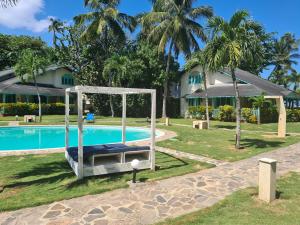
(199, 58)
(232, 42)
(104, 19)
(285, 53)
(173, 26)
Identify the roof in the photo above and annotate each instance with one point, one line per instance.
(30, 90)
(254, 86)
(246, 90)
(109, 90)
(10, 73)
(266, 86)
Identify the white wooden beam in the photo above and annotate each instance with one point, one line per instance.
(109, 90)
(153, 121)
(124, 119)
(80, 133)
(67, 118)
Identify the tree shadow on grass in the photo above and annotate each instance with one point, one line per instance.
(259, 143)
(230, 127)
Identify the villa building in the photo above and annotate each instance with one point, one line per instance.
(52, 84)
(221, 91)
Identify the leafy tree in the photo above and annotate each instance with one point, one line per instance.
(285, 52)
(259, 102)
(232, 42)
(199, 59)
(29, 66)
(11, 47)
(56, 27)
(172, 26)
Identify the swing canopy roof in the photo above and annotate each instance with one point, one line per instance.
(108, 90)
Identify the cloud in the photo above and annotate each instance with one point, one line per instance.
(24, 15)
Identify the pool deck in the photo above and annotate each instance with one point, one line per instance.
(165, 135)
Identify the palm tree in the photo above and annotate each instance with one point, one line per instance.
(232, 43)
(104, 18)
(173, 27)
(285, 55)
(56, 27)
(294, 78)
(200, 59)
(5, 3)
(30, 65)
(113, 70)
(258, 102)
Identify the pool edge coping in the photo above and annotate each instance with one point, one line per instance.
(165, 134)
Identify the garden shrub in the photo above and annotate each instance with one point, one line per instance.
(226, 113)
(293, 115)
(21, 109)
(269, 114)
(252, 119)
(246, 114)
(199, 111)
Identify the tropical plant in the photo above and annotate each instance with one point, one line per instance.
(294, 78)
(259, 102)
(5, 3)
(285, 53)
(57, 27)
(172, 26)
(29, 66)
(199, 59)
(232, 43)
(105, 18)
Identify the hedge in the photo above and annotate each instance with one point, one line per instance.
(21, 109)
(227, 113)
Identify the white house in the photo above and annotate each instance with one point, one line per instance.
(52, 84)
(220, 88)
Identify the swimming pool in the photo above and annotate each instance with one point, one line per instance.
(46, 137)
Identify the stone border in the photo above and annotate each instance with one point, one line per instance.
(165, 135)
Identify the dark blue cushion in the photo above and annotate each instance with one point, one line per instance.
(103, 149)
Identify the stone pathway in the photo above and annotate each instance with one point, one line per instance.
(154, 201)
(190, 156)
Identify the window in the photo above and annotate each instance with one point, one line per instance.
(194, 101)
(67, 79)
(195, 78)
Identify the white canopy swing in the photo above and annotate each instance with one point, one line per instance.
(111, 158)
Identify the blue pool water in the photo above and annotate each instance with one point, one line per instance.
(44, 137)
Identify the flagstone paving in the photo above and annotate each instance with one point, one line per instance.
(154, 201)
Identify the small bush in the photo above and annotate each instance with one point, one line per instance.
(293, 115)
(246, 114)
(226, 113)
(252, 119)
(199, 112)
(21, 109)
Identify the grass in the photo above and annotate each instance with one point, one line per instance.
(219, 144)
(33, 180)
(243, 208)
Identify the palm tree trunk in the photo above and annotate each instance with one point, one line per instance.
(206, 98)
(258, 115)
(238, 111)
(165, 94)
(39, 98)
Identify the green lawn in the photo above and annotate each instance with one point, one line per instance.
(219, 144)
(39, 179)
(293, 127)
(243, 208)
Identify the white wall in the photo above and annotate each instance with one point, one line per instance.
(53, 78)
(215, 78)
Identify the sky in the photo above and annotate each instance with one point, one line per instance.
(31, 17)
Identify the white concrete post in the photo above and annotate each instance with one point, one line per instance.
(282, 117)
(153, 120)
(124, 119)
(167, 122)
(67, 118)
(80, 138)
(267, 179)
